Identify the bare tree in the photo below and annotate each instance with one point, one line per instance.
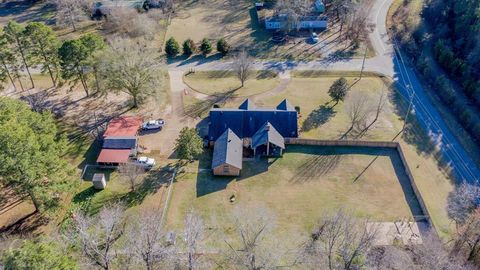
(467, 241)
(243, 65)
(193, 235)
(252, 249)
(358, 109)
(131, 173)
(130, 67)
(96, 236)
(462, 202)
(70, 12)
(389, 258)
(382, 100)
(341, 9)
(432, 254)
(291, 11)
(146, 240)
(127, 21)
(340, 241)
(358, 26)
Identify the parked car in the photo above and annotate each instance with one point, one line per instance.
(145, 162)
(153, 124)
(314, 37)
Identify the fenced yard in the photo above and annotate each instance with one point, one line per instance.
(323, 119)
(307, 182)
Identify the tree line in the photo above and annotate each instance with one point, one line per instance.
(119, 65)
(456, 52)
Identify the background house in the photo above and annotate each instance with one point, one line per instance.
(310, 21)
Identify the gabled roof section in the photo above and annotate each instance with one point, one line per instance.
(228, 149)
(247, 105)
(113, 156)
(123, 126)
(285, 106)
(268, 134)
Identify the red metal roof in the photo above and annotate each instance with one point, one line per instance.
(113, 156)
(123, 126)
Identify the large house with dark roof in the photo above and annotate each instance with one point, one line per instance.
(247, 130)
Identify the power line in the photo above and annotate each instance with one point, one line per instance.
(431, 120)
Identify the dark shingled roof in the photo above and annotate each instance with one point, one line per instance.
(228, 149)
(285, 106)
(245, 122)
(247, 105)
(125, 142)
(267, 134)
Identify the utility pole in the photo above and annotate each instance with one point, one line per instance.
(363, 63)
(409, 108)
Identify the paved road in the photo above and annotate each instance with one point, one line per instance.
(388, 61)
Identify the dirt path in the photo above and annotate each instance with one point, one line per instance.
(285, 79)
(175, 119)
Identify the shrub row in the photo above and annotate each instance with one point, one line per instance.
(172, 48)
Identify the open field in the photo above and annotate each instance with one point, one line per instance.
(237, 22)
(223, 82)
(321, 120)
(299, 187)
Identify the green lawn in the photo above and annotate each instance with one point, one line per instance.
(226, 83)
(299, 187)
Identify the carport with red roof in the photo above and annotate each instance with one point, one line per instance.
(120, 140)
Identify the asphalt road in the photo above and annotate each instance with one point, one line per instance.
(389, 62)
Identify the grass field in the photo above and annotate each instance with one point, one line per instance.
(222, 82)
(299, 188)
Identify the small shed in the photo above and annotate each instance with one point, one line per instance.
(98, 181)
(227, 154)
(319, 6)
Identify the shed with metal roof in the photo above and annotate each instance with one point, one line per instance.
(123, 126)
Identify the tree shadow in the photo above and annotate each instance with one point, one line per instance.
(197, 59)
(27, 10)
(321, 162)
(318, 117)
(27, 225)
(200, 107)
(154, 180)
